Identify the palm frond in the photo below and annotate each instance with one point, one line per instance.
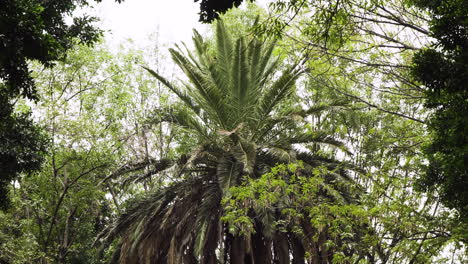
(158, 165)
(317, 160)
(281, 155)
(279, 90)
(228, 171)
(201, 48)
(224, 49)
(207, 93)
(148, 172)
(239, 76)
(191, 57)
(181, 94)
(270, 128)
(267, 64)
(207, 220)
(316, 137)
(184, 119)
(245, 152)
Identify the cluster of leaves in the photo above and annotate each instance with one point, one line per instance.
(18, 245)
(291, 199)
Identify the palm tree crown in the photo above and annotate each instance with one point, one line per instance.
(234, 104)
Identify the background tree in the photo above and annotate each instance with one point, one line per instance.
(93, 106)
(367, 43)
(23, 147)
(446, 93)
(31, 30)
(372, 44)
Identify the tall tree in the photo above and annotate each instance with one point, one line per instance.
(244, 118)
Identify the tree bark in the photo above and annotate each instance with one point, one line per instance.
(261, 247)
(297, 249)
(237, 250)
(281, 248)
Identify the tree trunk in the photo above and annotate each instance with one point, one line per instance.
(281, 248)
(241, 251)
(261, 247)
(325, 256)
(297, 249)
(237, 252)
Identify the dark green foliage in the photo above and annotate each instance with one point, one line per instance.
(443, 70)
(211, 9)
(21, 150)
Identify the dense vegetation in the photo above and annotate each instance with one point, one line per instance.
(31, 30)
(314, 132)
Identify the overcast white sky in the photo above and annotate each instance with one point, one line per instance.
(137, 19)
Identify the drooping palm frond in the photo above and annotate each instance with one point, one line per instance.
(163, 227)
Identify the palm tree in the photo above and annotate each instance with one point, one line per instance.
(238, 108)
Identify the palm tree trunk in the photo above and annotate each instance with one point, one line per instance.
(281, 248)
(237, 251)
(241, 251)
(298, 251)
(261, 248)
